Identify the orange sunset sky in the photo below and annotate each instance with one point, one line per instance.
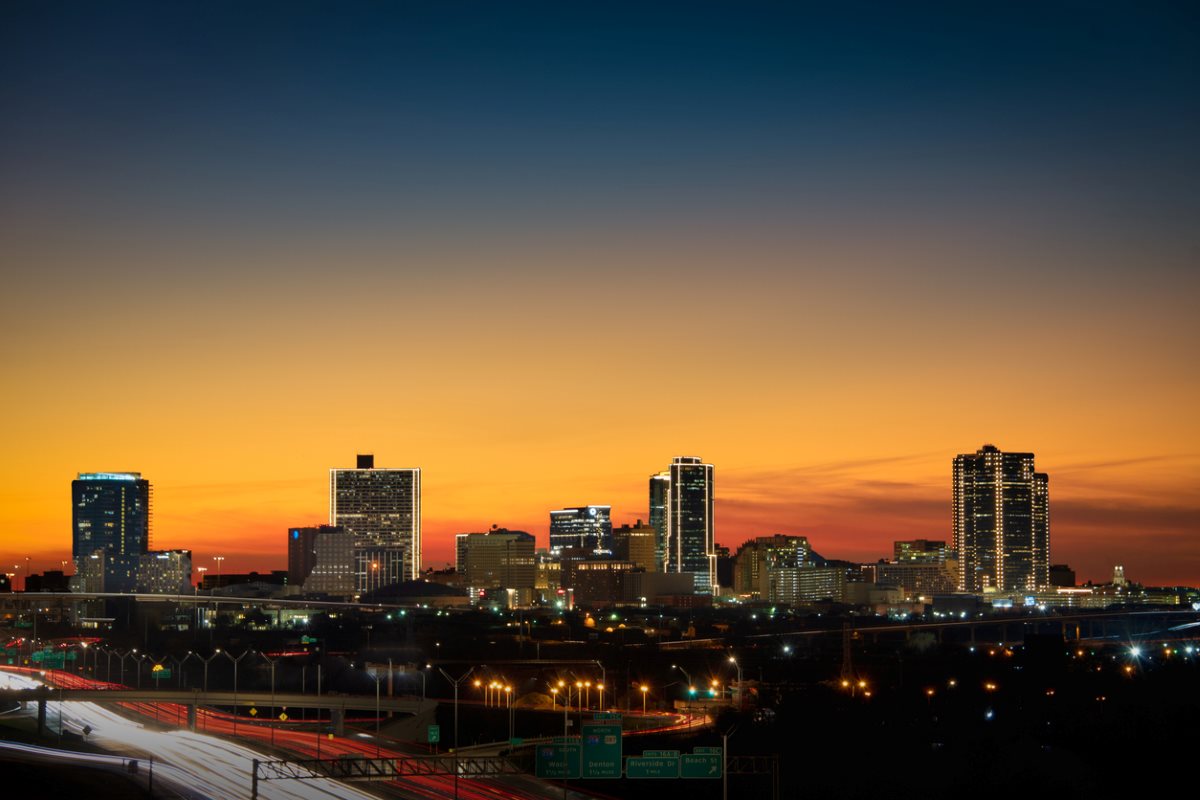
(538, 253)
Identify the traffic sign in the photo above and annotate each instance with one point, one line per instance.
(434, 734)
(557, 760)
(160, 674)
(652, 767)
(661, 754)
(699, 765)
(254, 712)
(601, 748)
(283, 717)
(707, 751)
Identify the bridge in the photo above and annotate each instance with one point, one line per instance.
(336, 704)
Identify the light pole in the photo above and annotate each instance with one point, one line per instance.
(738, 701)
(456, 682)
(645, 691)
(271, 661)
(600, 686)
(218, 559)
(235, 684)
(511, 720)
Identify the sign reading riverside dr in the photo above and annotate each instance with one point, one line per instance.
(602, 747)
(652, 766)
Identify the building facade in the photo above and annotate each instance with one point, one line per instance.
(1001, 522)
(588, 528)
(381, 509)
(660, 490)
(110, 513)
(690, 542)
(501, 559)
(637, 543)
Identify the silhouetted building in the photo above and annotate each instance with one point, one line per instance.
(757, 557)
(52, 580)
(1061, 575)
(690, 543)
(381, 509)
(586, 527)
(1001, 522)
(302, 551)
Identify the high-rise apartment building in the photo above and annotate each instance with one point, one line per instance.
(638, 544)
(381, 509)
(110, 512)
(689, 513)
(660, 489)
(110, 515)
(1001, 522)
(586, 527)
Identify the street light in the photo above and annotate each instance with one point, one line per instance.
(738, 701)
(456, 682)
(235, 684)
(645, 689)
(600, 686)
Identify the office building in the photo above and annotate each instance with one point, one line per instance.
(637, 543)
(1001, 522)
(660, 489)
(381, 509)
(165, 572)
(302, 553)
(924, 550)
(501, 560)
(588, 528)
(333, 572)
(110, 512)
(757, 557)
(689, 513)
(110, 527)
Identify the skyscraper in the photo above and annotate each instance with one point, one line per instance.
(660, 488)
(381, 509)
(110, 519)
(586, 527)
(1001, 521)
(689, 513)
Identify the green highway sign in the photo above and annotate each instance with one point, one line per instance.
(434, 734)
(651, 767)
(661, 754)
(707, 751)
(704, 765)
(161, 674)
(606, 715)
(601, 742)
(557, 760)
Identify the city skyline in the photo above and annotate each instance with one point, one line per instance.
(830, 537)
(828, 247)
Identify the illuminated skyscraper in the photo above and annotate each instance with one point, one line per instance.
(660, 487)
(110, 527)
(1001, 522)
(381, 509)
(689, 513)
(586, 527)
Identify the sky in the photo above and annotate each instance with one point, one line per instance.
(538, 250)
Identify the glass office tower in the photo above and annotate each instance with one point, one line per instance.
(690, 543)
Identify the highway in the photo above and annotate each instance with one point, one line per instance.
(212, 767)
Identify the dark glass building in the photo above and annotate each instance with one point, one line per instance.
(588, 528)
(690, 542)
(1001, 522)
(110, 512)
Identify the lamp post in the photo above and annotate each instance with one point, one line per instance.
(600, 687)
(738, 694)
(511, 720)
(271, 661)
(456, 682)
(645, 691)
(235, 684)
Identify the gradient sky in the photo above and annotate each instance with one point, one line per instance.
(539, 249)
